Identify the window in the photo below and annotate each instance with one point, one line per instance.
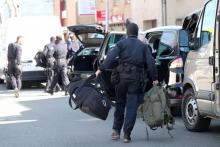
(167, 44)
(113, 39)
(147, 24)
(179, 21)
(206, 27)
(93, 51)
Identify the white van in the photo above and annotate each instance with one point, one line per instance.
(201, 86)
(37, 31)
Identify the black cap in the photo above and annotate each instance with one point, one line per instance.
(132, 29)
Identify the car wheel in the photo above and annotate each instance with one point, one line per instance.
(1, 81)
(193, 121)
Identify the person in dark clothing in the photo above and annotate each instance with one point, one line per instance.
(48, 52)
(14, 64)
(60, 52)
(134, 59)
(126, 23)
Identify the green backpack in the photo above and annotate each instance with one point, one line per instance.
(156, 111)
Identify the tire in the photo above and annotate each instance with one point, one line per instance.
(192, 120)
(1, 81)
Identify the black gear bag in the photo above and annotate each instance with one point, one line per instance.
(88, 98)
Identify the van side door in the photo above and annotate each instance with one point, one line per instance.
(216, 104)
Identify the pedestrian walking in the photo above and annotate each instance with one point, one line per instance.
(14, 64)
(48, 52)
(60, 53)
(134, 59)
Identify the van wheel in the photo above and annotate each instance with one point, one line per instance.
(193, 121)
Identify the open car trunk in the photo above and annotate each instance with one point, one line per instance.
(91, 37)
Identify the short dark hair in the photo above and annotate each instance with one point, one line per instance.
(132, 29)
(58, 39)
(19, 37)
(52, 39)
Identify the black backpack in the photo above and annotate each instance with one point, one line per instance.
(40, 59)
(88, 98)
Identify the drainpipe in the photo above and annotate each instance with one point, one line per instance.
(165, 9)
(164, 12)
(106, 15)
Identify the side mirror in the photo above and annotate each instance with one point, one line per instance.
(184, 41)
(206, 37)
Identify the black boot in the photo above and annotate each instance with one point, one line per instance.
(51, 91)
(127, 138)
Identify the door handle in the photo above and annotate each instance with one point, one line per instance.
(211, 60)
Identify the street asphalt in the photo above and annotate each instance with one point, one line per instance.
(37, 119)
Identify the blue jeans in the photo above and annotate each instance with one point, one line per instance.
(126, 107)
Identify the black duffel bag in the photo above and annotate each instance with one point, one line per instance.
(88, 98)
(106, 85)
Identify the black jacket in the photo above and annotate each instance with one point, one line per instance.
(14, 53)
(131, 51)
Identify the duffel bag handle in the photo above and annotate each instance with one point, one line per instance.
(86, 81)
(80, 87)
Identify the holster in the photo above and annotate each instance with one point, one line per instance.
(115, 77)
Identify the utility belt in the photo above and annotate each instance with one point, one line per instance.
(129, 72)
(61, 61)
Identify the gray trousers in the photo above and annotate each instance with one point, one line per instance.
(15, 76)
(60, 71)
(50, 76)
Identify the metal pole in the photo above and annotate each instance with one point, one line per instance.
(162, 12)
(106, 14)
(165, 11)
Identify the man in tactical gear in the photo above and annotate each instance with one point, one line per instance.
(60, 53)
(134, 59)
(14, 64)
(48, 52)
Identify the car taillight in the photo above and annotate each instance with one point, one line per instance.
(177, 63)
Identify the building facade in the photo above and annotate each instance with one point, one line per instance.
(153, 13)
(146, 13)
(119, 10)
(67, 11)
